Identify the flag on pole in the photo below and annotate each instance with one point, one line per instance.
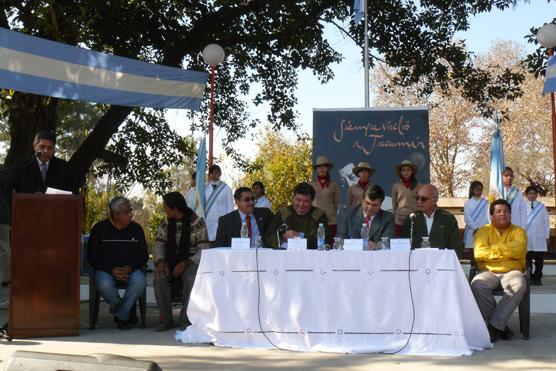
(358, 10)
(550, 76)
(496, 189)
(38, 66)
(200, 188)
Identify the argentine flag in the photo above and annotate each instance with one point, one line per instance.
(38, 66)
(496, 189)
(358, 10)
(550, 76)
(199, 206)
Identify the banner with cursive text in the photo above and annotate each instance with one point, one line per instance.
(383, 137)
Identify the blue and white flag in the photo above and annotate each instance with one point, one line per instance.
(39, 66)
(358, 10)
(200, 188)
(496, 189)
(550, 76)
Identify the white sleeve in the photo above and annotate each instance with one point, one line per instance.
(546, 222)
(523, 211)
(229, 200)
(467, 215)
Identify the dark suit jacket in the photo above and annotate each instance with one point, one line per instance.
(381, 226)
(444, 231)
(58, 176)
(229, 226)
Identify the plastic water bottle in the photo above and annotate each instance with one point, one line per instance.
(365, 234)
(244, 233)
(321, 234)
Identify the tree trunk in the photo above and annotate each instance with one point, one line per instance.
(28, 114)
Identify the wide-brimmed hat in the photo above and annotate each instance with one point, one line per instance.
(323, 160)
(362, 166)
(399, 166)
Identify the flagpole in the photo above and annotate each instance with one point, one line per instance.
(366, 51)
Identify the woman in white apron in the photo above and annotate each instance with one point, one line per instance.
(475, 212)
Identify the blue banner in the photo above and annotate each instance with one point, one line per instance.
(383, 137)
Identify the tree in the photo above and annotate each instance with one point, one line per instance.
(267, 43)
(451, 119)
(526, 127)
(279, 164)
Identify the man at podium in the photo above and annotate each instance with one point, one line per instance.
(43, 169)
(118, 252)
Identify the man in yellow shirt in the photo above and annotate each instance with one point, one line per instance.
(499, 249)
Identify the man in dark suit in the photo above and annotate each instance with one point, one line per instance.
(44, 170)
(439, 225)
(380, 222)
(256, 219)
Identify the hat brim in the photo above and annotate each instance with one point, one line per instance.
(329, 164)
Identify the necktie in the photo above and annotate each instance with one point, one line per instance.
(367, 219)
(44, 169)
(532, 205)
(248, 223)
(214, 187)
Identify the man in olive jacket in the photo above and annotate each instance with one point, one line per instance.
(439, 225)
(298, 220)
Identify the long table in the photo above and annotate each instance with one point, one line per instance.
(416, 302)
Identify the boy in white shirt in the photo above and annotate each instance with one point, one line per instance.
(538, 233)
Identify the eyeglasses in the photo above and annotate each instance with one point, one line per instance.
(247, 199)
(422, 198)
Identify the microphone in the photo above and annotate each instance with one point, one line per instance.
(412, 217)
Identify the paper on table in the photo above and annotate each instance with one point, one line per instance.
(297, 244)
(355, 244)
(55, 191)
(241, 243)
(400, 244)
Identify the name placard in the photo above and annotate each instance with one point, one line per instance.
(400, 244)
(354, 244)
(297, 244)
(241, 243)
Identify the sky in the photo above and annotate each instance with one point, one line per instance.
(346, 90)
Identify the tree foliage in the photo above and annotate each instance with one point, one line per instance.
(279, 164)
(460, 135)
(267, 43)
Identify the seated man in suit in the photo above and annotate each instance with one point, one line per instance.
(44, 170)
(440, 226)
(299, 219)
(380, 222)
(257, 219)
(177, 252)
(499, 249)
(117, 249)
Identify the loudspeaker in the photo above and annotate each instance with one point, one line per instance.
(29, 361)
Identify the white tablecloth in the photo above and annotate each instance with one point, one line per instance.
(335, 301)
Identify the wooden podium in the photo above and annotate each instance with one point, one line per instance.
(44, 289)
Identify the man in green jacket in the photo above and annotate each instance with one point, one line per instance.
(298, 220)
(429, 221)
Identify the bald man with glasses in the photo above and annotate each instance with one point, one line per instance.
(439, 225)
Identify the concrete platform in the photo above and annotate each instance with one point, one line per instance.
(146, 344)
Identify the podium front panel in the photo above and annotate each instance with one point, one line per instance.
(46, 240)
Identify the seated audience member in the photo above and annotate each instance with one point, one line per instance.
(256, 219)
(298, 220)
(260, 198)
(117, 250)
(177, 251)
(500, 249)
(430, 221)
(380, 222)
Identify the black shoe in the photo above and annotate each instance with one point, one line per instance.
(122, 325)
(493, 333)
(506, 334)
(5, 283)
(539, 282)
